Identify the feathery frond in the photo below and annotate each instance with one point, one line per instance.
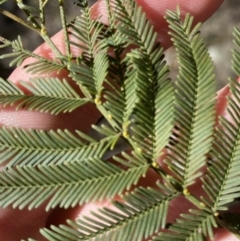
(143, 212)
(120, 68)
(19, 54)
(197, 226)
(85, 32)
(87, 35)
(133, 26)
(114, 105)
(221, 183)
(48, 95)
(143, 88)
(156, 94)
(194, 102)
(32, 147)
(66, 184)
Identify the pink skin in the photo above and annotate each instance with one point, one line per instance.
(17, 225)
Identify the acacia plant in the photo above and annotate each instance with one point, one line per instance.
(121, 70)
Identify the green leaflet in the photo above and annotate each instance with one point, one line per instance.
(66, 184)
(33, 147)
(19, 54)
(113, 93)
(221, 184)
(197, 226)
(47, 95)
(114, 106)
(91, 77)
(132, 90)
(195, 93)
(90, 72)
(148, 98)
(86, 32)
(144, 91)
(133, 25)
(143, 212)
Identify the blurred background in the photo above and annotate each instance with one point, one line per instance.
(217, 33)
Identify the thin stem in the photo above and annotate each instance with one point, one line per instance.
(64, 25)
(43, 31)
(19, 20)
(28, 10)
(42, 12)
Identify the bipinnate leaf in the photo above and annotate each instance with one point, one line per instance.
(33, 147)
(142, 213)
(40, 64)
(47, 95)
(133, 26)
(66, 184)
(148, 132)
(195, 105)
(197, 226)
(148, 94)
(91, 67)
(221, 182)
(120, 68)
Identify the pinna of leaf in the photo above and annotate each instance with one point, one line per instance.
(130, 87)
